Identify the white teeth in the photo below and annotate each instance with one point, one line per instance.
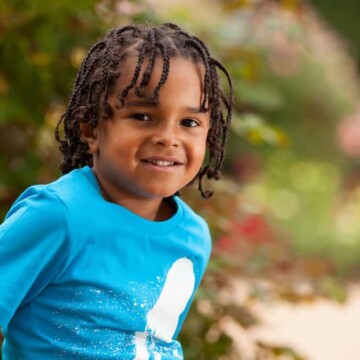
(161, 162)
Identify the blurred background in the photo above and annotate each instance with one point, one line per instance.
(285, 216)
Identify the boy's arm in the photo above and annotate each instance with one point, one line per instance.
(34, 244)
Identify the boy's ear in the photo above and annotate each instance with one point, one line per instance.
(89, 135)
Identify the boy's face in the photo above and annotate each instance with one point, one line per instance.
(148, 151)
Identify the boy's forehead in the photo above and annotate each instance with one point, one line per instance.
(146, 101)
(183, 87)
(128, 66)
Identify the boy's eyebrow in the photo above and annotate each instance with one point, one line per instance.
(197, 110)
(148, 103)
(140, 103)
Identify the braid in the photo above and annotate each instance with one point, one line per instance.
(165, 72)
(204, 56)
(148, 71)
(101, 68)
(139, 64)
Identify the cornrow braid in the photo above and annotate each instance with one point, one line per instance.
(101, 68)
(147, 73)
(165, 73)
(204, 56)
(139, 64)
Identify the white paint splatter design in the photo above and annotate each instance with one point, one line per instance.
(163, 318)
(105, 321)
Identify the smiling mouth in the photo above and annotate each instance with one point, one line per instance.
(161, 163)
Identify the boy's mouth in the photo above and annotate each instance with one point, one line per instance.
(162, 162)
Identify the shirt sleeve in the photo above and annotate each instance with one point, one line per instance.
(34, 244)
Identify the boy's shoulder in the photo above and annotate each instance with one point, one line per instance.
(191, 219)
(75, 179)
(189, 213)
(59, 193)
(74, 185)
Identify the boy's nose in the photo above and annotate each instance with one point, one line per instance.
(165, 137)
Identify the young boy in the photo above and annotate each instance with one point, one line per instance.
(104, 262)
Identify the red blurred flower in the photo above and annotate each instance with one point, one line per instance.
(253, 229)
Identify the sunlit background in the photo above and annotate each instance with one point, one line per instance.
(285, 217)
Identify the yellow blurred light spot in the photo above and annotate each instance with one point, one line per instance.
(282, 138)
(236, 4)
(291, 5)
(52, 116)
(77, 56)
(250, 71)
(255, 136)
(39, 58)
(45, 138)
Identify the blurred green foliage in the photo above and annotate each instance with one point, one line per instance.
(344, 18)
(284, 215)
(40, 45)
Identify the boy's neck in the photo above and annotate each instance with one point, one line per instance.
(158, 209)
(153, 210)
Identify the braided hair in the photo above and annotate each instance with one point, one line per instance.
(101, 68)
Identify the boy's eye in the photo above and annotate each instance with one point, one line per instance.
(189, 123)
(140, 117)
